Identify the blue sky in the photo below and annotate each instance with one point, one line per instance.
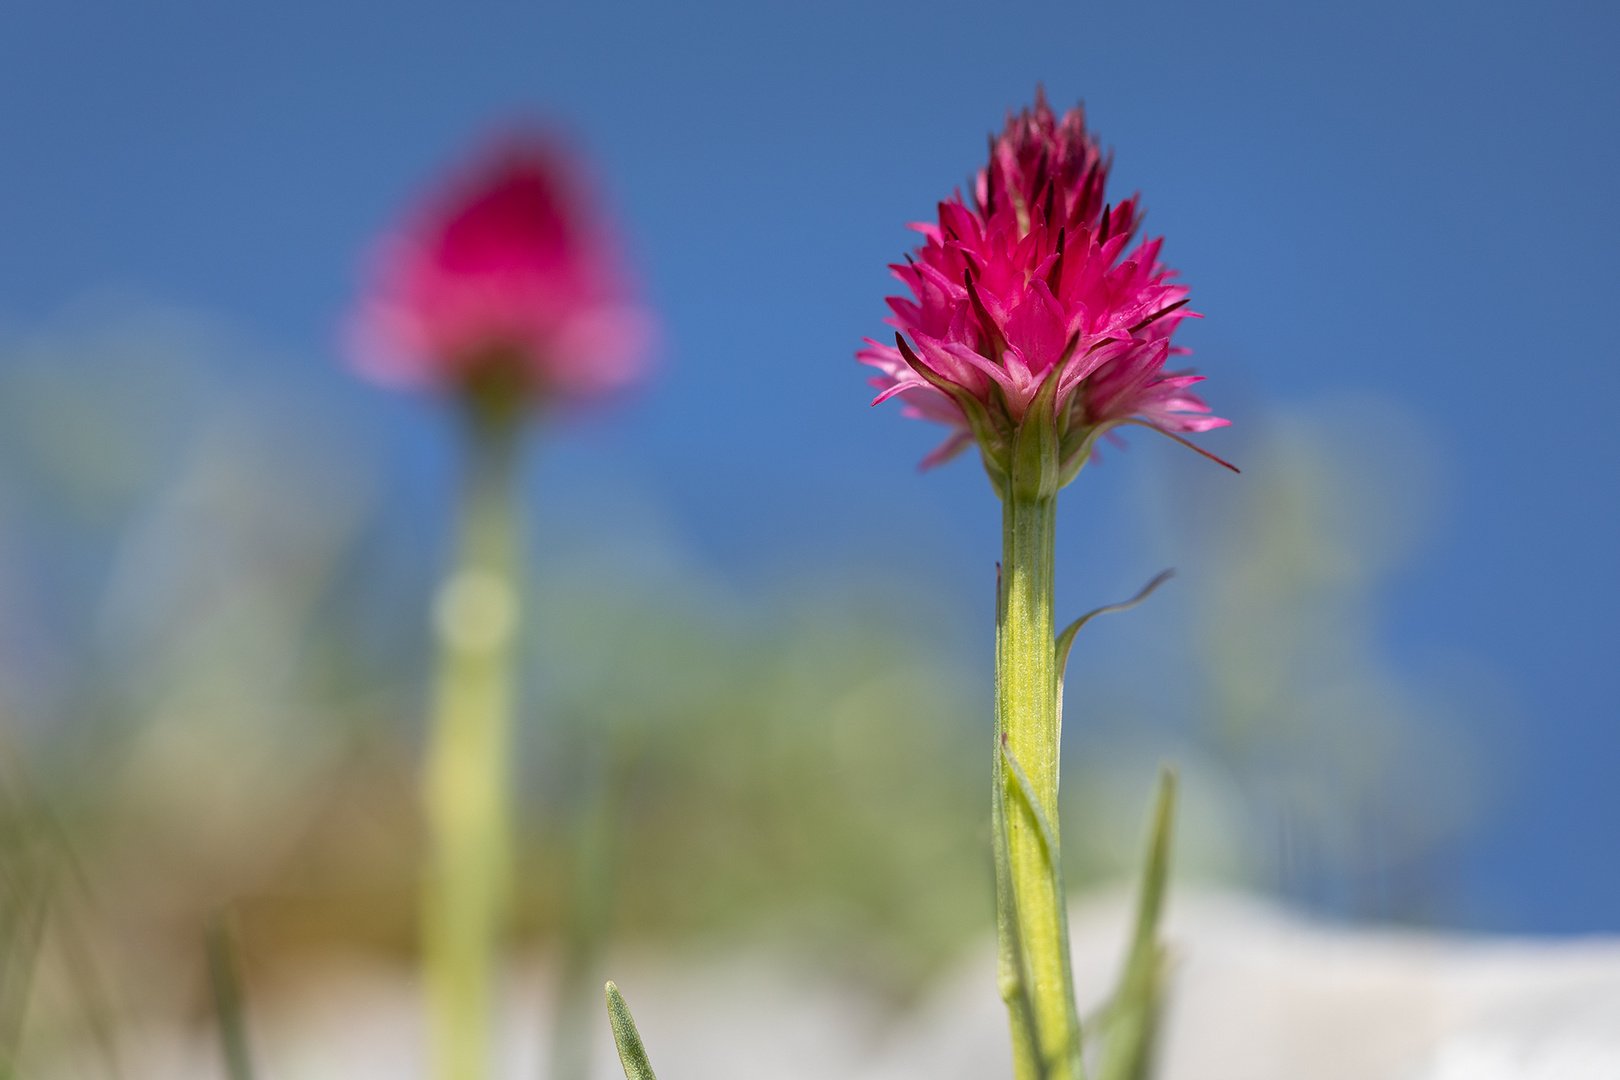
(1413, 200)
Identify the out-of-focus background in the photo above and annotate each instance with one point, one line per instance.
(758, 658)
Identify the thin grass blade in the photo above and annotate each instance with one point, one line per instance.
(225, 981)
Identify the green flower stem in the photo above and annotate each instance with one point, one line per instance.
(1036, 933)
(475, 623)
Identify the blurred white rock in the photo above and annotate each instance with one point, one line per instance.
(1259, 993)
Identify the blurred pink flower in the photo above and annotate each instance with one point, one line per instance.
(506, 273)
(1033, 286)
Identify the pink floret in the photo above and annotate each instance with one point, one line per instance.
(1038, 272)
(506, 264)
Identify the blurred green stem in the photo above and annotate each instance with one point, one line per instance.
(1035, 981)
(475, 622)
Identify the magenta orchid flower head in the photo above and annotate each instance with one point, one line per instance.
(1037, 322)
(506, 280)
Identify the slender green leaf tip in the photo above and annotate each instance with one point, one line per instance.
(632, 1055)
(1156, 869)
(1132, 1017)
(1065, 640)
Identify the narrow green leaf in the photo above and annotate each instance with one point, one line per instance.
(632, 1055)
(1027, 790)
(1065, 640)
(1156, 870)
(1133, 1013)
(1054, 862)
(1012, 977)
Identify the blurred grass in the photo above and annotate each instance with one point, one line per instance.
(229, 704)
(798, 771)
(212, 644)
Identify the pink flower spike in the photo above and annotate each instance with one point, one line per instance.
(1038, 277)
(504, 277)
